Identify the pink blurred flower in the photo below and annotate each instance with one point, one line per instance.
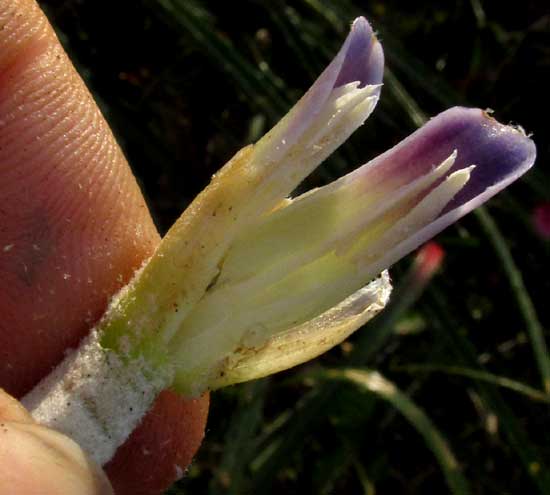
(428, 260)
(541, 220)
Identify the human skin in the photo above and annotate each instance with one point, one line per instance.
(73, 229)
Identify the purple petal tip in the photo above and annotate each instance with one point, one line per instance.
(360, 58)
(364, 57)
(501, 153)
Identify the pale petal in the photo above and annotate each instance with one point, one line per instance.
(305, 257)
(257, 179)
(256, 355)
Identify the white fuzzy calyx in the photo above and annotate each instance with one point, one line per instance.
(96, 398)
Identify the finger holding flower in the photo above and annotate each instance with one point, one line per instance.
(247, 282)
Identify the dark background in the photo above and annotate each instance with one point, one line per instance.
(185, 84)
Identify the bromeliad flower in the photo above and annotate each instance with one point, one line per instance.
(249, 282)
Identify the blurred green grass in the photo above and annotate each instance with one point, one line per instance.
(186, 83)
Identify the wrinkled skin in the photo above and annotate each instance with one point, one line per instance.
(73, 229)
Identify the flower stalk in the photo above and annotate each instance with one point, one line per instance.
(249, 282)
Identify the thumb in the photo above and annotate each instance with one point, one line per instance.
(42, 461)
(73, 229)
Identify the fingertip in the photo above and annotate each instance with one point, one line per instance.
(74, 225)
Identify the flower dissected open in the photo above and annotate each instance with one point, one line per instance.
(249, 282)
